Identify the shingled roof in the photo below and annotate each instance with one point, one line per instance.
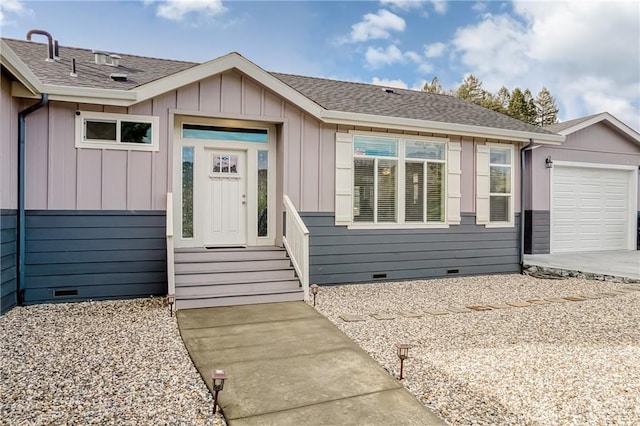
(139, 69)
(332, 95)
(376, 100)
(558, 127)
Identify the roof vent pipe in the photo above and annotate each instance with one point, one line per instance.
(99, 57)
(49, 41)
(73, 72)
(56, 50)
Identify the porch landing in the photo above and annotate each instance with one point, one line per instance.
(234, 276)
(288, 365)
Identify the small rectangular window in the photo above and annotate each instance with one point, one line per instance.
(373, 146)
(500, 192)
(116, 131)
(197, 131)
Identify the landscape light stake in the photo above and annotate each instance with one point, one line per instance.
(403, 353)
(171, 299)
(218, 377)
(314, 290)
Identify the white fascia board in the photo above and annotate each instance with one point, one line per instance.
(19, 69)
(84, 94)
(605, 116)
(396, 123)
(222, 64)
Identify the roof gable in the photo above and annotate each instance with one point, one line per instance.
(572, 126)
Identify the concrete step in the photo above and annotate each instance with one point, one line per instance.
(214, 278)
(219, 266)
(238, 299)
(187, 291)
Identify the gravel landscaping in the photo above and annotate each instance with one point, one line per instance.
(113, 362)
(558, 363)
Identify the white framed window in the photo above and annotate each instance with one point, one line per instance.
(495, 180)
(396, 181)
(103, 130)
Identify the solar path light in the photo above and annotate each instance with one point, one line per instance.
(314, 290)
(218, 377)
(403, 353)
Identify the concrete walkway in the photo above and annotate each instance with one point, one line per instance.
(288, 365)
(616, 263)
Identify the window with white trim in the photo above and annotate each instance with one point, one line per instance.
(500, 185)
(398, 181)
(116, 131)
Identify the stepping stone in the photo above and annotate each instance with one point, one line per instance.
(538, 302)
(637, 288)
(479, 307)
(592, 296)
(518, 304)
(409, 314)
(458, 310)
(351, 318)
(556, 300)
(381, 316)
(575, 298)
(436, 312)
(500, 306)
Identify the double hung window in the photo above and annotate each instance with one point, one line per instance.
(500, 177)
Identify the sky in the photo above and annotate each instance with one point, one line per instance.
(586, 52)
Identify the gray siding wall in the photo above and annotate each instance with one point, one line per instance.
(7, 260)
(537, 231)
(80, 255)
(9, 108)
(339, 255)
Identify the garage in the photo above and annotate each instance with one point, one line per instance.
(591, 207)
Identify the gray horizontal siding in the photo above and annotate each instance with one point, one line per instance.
(74, 255)
(8, 221)
(537, 231)
(339, 255)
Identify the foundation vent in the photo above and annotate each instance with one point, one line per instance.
(378, 276)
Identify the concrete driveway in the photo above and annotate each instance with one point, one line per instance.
(616, 263)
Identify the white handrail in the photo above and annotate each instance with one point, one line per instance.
(171, 278)
(296, 241)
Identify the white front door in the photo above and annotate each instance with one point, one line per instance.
(225, 212)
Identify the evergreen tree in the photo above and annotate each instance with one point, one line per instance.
(546, 109)
(471, 90)
(503, 97)
(517, 105)
(530, 111)
(433, 87)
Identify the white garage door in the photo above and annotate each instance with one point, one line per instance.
(589, 209)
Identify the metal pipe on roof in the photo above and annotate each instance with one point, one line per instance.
(22, 121)
(49, 41)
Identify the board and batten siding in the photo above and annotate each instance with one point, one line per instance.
(9, 109)
(7, 260)
(80, 255)
(340, 255)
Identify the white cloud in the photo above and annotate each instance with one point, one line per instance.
(376, 26)
(586, 53)
(389, 83)
(440, 6)
(479, 6)
(176, 10)
(377, 56)
(10, 7)
(434, 50)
